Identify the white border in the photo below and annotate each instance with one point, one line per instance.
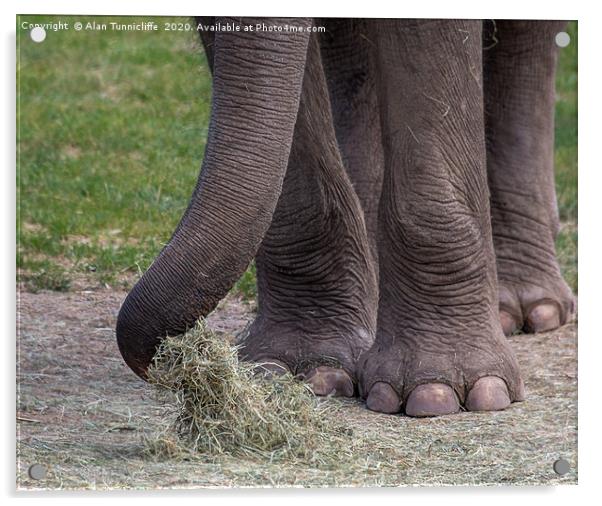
(590, 185)
(433, 8)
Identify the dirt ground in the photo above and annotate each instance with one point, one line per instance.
(82, 414)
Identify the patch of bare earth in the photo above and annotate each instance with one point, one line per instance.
(82, 414)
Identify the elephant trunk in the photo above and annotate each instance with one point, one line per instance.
(257, 81)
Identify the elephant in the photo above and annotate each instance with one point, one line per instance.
(393, 180)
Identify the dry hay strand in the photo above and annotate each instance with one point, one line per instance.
(217, 405)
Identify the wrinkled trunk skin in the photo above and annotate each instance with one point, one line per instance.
(256, 88)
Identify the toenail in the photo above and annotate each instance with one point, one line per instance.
(383, 398)
(325, 380)
(519, 394)
(508, 322)
(543, 317)
(432, 399)
(489, 393)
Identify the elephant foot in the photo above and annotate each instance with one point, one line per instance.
(434, 375)
(534, 307)
(533, 296)
(325, 362)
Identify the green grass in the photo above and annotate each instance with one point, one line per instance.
(566, 157)
(111, 133)
(45, 275)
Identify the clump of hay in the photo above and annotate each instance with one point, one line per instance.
(222, 406)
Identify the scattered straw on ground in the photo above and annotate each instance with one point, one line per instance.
(85, 416)
(217, 405)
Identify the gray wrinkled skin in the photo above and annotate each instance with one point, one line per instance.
(394, 181)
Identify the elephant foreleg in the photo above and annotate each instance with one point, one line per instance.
(315, 273)
(349, 64)
(519, 71)
(439, 343)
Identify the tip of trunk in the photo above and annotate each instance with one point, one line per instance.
(161, 304)
(136, 346)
